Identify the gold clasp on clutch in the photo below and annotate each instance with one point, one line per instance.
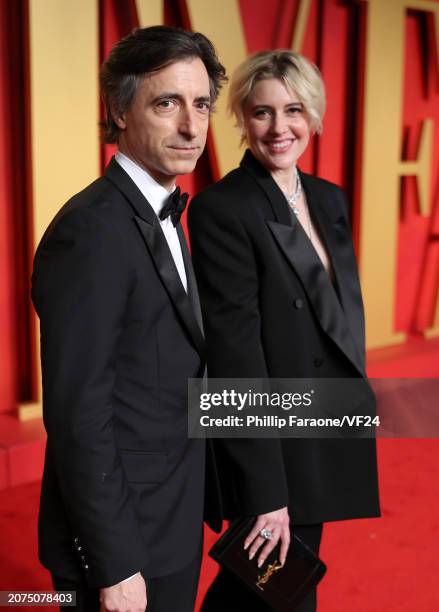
(273, 567)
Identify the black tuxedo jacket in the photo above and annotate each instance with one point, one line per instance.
(123, 486)
(271, 310)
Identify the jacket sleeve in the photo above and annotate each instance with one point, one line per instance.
(227, 276)
(80, 286)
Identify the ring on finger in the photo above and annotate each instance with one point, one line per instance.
(266, 534)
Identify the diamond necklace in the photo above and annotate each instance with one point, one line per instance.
(292, 199)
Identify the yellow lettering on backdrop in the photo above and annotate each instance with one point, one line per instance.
(381, 163)
(149, 12)
(300, 25)
(221, 22)
(64, 109)
(64, 102)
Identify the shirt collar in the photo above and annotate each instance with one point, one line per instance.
(155, 193)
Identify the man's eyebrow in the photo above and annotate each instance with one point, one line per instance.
(166, 95)
(170, 95)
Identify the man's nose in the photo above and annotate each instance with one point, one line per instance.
(187, 123)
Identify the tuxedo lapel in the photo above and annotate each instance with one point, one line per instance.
(155, 241)
(299, 252)
(192, 288)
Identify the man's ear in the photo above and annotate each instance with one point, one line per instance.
(118, 118)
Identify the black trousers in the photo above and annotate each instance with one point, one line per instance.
(165, 594)
(227, 593)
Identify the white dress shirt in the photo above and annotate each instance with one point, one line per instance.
(156, 195)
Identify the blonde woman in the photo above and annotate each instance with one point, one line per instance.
(280, 295)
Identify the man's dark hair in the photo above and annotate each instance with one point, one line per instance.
(144, 51)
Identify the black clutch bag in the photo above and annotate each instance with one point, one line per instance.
(281, 587)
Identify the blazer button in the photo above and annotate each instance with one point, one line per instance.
(298, 303)
(318, 362)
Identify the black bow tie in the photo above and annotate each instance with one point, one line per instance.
(174, 206)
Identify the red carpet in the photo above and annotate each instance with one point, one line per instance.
(381, 565)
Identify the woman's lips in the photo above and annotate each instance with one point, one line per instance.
(280, 146)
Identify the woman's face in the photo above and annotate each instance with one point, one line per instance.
(276, 125)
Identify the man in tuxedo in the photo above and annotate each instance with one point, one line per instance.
(122, 495)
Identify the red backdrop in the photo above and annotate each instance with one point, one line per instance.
(334, 40)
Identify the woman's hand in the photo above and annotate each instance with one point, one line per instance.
(276, 522)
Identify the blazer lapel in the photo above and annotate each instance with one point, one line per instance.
(336, 235)
(155, 241)
(301, 255)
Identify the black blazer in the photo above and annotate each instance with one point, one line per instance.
(123, 486)
(271, 310)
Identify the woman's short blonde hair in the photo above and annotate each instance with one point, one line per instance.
(297, 72)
